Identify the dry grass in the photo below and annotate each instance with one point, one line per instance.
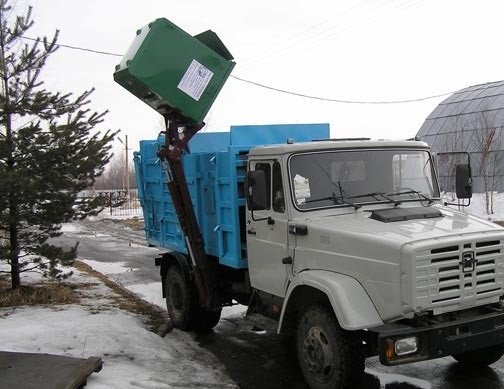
(50, 294)
(127, 300)
(133, 223)
(38, 294)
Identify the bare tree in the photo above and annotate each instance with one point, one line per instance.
(115, 175)
(486, 141)
(497, 167)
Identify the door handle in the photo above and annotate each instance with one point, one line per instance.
(251, 232)
(287, 261)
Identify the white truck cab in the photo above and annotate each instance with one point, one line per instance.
(355, 234)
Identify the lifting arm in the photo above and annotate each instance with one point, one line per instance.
(177, 135)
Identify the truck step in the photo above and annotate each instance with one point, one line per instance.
(262, 322)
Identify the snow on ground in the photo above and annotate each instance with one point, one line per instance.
(119, 214)
(386, 379)
(152, 294)
(70, 227)
(478, 207)
(108, 267)
(133, 356)
(235, 310)
(149, 292)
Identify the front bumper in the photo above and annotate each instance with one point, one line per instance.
(439, 340)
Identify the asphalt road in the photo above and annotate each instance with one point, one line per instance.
(259, 360)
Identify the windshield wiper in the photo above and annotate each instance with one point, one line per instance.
(412, 191)
(376, 195)
(337, 200)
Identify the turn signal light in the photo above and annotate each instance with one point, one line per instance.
(389, 349)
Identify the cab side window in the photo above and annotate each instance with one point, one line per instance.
(266, 168)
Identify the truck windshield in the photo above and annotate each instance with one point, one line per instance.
(358, 177)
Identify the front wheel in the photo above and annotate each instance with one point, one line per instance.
(480, 358)
(329, 357)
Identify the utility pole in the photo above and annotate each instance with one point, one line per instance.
(126, 149)
(127, 170)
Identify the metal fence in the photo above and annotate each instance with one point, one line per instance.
(117, 202)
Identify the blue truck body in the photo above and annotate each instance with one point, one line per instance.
(215, 167)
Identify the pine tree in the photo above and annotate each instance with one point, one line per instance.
(49, 151)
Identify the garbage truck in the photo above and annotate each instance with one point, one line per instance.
(344, 245)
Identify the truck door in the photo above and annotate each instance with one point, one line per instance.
(267, 234)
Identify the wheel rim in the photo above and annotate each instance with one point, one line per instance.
(317, 354)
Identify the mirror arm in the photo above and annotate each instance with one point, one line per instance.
(459, 205)
(269, 219)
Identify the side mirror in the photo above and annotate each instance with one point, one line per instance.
(463, 181)
(257, 196)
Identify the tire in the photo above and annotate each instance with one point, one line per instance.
(182, 304)
(206, 320)
(329, 357)
(480, 358)
(180, 301)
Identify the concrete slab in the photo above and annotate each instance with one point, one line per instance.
(35, 371)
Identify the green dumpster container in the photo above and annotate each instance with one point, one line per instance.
(169, 69)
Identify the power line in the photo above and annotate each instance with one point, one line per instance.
(341, 100)
(77, 48)
(284, 91)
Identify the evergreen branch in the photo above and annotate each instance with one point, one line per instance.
(38, 266)
(48, 159)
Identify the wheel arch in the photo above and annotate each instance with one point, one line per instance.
(352, 306)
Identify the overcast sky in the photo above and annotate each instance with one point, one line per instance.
(374, 50)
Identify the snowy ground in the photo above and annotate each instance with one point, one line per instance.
(149, 292)
(133, 357)
(478, 207)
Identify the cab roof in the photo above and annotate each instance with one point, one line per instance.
(326, 145)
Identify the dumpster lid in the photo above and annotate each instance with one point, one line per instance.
(211, 40)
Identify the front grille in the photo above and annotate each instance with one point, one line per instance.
(456, 276)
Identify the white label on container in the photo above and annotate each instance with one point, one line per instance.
(195, 80)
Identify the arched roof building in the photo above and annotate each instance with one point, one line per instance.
(471, 120)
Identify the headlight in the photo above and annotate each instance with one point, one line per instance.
(406, 346)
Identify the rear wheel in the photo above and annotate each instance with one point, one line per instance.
(182, 304)
(329, 357)
(480, 358)
(179, 298)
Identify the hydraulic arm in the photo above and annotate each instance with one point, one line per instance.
(177, 135)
